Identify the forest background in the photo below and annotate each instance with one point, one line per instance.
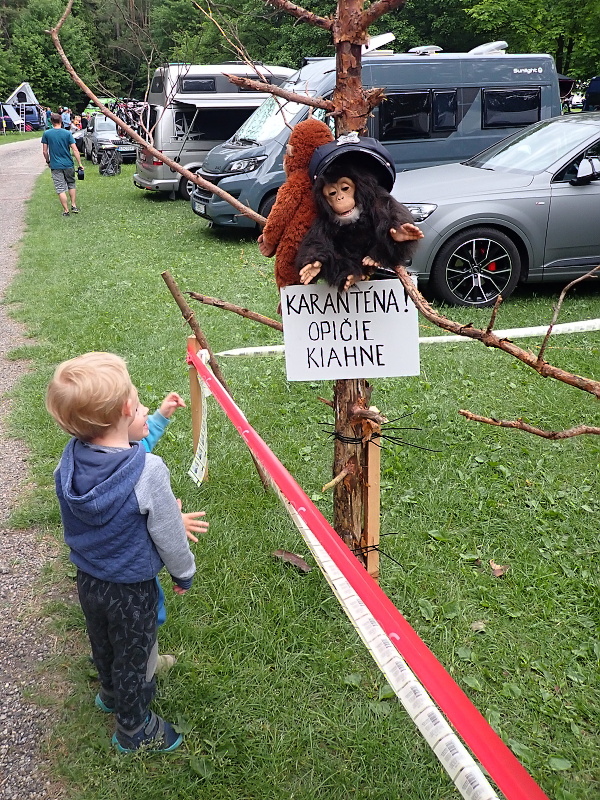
(115, 44)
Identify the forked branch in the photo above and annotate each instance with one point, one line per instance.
(490, 339)
(302, 14)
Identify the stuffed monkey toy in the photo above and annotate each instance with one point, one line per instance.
(359, 227)
(294, 210)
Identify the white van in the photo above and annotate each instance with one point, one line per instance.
(191, 110)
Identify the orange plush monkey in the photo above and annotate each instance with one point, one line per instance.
(294, 210)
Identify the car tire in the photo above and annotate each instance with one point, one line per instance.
(88, 156)
(474, 267)
(267, 204)
(186, 187)
(94, 156)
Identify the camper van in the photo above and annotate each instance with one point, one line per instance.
(439, 107)
(190, 110)
(591, 100)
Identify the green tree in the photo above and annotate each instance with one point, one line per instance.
(10, 72)
(570, 34)
(39, 62)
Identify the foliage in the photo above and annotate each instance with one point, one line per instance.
(531, 26)
(33, 50)
(116, 44)
(276, 694)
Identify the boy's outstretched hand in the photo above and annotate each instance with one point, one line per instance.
(170, 404)
(178, 590)
(192, 524)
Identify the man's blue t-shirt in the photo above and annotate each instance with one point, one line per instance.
(59, 141)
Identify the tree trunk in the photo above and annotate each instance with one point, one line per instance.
(352, 111)
(348, 498)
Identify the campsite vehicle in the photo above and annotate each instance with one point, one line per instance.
(439, 108)
(192, 109)
(525, 210)
(591, 100)
(102, 130)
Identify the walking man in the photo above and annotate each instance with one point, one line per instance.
(57, 144)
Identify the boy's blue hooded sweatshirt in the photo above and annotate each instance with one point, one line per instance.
(120, 517)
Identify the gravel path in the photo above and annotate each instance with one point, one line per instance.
(23, 647)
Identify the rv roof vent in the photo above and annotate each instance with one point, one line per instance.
(425, 50)
(488, 49)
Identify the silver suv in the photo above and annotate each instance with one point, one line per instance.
(101, 131)
(526, 210)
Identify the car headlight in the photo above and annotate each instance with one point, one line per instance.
(421, 211)
(246, 164)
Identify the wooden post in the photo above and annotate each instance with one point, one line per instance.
(372, 509)
(195, 398)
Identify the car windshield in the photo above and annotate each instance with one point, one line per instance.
(535, 149)
(268, 120)
(106, 125)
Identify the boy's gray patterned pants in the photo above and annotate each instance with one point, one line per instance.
(121, 625)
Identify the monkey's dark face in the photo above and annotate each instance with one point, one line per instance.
(340, 197)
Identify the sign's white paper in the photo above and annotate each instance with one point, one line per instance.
(370, 331)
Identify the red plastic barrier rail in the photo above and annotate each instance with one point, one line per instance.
(506, 771)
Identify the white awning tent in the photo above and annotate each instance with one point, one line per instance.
(221, 99)
(22, 94)
(10, 111)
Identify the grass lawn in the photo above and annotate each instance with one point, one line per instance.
(262, 687)
(15, 136)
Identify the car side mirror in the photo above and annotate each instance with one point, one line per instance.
(585, 173)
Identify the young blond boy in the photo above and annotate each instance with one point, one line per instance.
(122, 524)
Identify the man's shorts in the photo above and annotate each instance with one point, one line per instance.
(63, 179)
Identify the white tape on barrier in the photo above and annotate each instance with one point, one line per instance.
(453, 756)
(509, 333)
(383, 628)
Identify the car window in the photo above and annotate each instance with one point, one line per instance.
(209, 123)
(569, 172)
(535, 149)
(106, 125)
(269, 119)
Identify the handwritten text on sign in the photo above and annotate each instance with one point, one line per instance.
(370, 331)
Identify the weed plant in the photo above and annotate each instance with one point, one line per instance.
(276, 694)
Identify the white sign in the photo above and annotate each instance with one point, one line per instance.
(370, 331)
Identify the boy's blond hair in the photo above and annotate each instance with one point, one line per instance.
(87, 393)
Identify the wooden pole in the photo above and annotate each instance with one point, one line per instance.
(195, 400)
(189, 317)
(372, 509)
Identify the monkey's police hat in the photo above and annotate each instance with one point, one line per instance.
(359, 152)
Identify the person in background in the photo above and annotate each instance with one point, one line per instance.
(57, 145)
(66, 118)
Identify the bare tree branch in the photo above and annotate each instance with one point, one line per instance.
(259, 86)
(379, 8)
(562, 296)
(243, 312)
(519, 425)
(302, 15)
(489, 339)
(492, 321)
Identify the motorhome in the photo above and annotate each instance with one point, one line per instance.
(190, 110)
(591, 100)
(438, 108)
